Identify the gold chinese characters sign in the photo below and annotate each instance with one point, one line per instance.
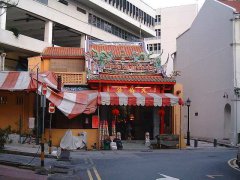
(131, 89)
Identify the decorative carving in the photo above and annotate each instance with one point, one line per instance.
(137, 64)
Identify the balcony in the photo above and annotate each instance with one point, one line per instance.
(72, 78)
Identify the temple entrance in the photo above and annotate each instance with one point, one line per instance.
(134, 121)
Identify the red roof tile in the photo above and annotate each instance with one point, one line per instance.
(131, 78)
(118, 49)
(60, 52)
(234, 4)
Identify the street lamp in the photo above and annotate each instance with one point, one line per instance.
(188, 103)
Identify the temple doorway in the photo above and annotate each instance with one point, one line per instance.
(134, 121)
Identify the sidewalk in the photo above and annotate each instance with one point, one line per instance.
(29, 149)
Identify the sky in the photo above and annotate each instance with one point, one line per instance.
(168, 3)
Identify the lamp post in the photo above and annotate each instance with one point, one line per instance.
(188, 103)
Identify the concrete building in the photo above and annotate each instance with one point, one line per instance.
(170, 22)
(208, 58)
(32, 25)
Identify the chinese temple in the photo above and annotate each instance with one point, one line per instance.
(135, 95)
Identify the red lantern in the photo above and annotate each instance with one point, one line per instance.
(180, 102)
(115, 112)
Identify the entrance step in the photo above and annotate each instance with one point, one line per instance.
(134, 145)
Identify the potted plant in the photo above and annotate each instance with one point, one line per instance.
(4, 136)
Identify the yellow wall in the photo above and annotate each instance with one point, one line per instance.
(11, 112)
(33, 63)
(45, 65)
(57, 134)
(178, 91)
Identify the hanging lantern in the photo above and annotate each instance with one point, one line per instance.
(115, 112)
(180, 102)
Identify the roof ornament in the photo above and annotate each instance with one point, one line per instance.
(102, 58)
(135, 56)
(110, 56)
(122, 55)
(164, 67)
(158, 62)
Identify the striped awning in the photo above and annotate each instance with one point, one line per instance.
(15, 81)
(69, 103)
(138, 99)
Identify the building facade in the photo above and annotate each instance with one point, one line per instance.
(32, 25)
(208, 58)
(170, 22)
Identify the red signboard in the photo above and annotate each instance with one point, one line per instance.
(44, 89)
(51, 108)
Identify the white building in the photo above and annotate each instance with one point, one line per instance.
(42, 23)
(170, 22)
(208, 56)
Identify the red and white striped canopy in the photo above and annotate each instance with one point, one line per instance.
(137, 99)
(15, 81)
(69, 103)
(24, 80)
(74, 103)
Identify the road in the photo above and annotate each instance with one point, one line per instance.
(189, 164)
(184, 164)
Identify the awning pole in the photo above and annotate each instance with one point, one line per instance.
(37, 122)
(99, 129)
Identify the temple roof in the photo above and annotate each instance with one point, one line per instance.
(63, 52)
(150, 79)
(118, 49)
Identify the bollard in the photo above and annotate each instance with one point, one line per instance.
(215, 142)
(195, 143)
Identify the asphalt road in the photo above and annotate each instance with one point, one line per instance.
(179, 164)
(189, 164)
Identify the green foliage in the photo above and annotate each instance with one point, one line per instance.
(4, 136)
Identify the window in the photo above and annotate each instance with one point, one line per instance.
(134, 10)
(124, 5)
(158, 32)
(158, 19)
(63, 2)
(81, 10)
(3, 99)
(121, 4)
(131, 9)
(117, 3)
(150, 47)
(43, 1)
(106, 26)
(155, 48)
